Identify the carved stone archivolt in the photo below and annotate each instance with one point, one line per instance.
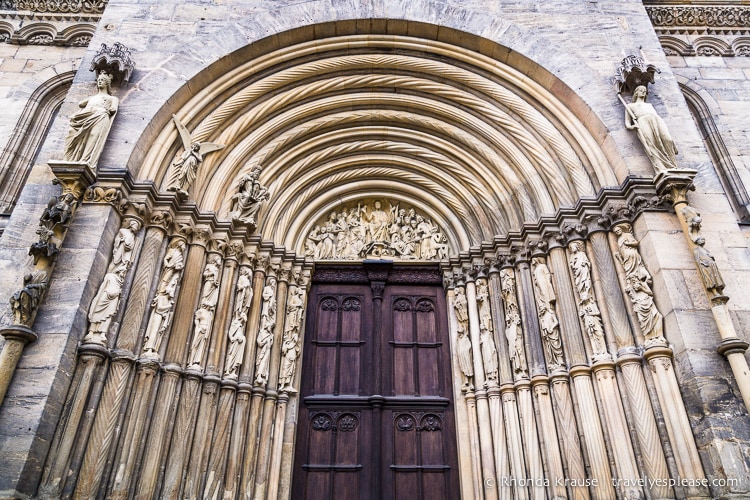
(373, 230)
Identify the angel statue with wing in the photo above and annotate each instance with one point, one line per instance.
(185, 169)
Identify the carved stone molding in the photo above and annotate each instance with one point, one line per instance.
(699, 19)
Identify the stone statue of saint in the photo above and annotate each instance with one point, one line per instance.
(249, 197)
(587, 308)
(513, 331)
(122, 251)
(652, 131)
(628, 253)
(25, 301)
(463, 347)
(581, 266)
(707, 268)
(243, 295)
(104, 306)
(202, 329)
(265, 334)
(90, 126)
(211, 279)
(163, 302)
(486, 340)
(290, 347)
(649, 318)
(548, 322)
(185, 169)
(236, 350)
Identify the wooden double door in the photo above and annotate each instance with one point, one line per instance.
(376, 413)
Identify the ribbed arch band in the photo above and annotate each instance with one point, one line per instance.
(475, 144)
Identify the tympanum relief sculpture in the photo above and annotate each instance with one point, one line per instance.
(638, 286)
(164, 299)
(90, 126)
(184, 171)
(513, 330)
(264, 340)
(587, 307)
(463, 342)
(369, 230)
(548, 322)
(107, 300)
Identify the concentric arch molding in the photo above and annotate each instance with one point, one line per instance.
(473, 144)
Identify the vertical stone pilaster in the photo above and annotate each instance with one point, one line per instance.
(489, 478)
(537, 370)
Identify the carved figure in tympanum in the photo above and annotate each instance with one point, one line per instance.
(90, 126)
(370, 230)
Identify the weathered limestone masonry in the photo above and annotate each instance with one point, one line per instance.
(155, 302)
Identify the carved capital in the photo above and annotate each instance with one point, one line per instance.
(234, 250)
(217, 245)
(74, 177)
(674, 185)
(161, 219)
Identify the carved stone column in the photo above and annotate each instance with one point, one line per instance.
(617, 332)
(550, 347)
(169, 387)
(216, 301)
(53, 225)
(483, 412)
(581, 374)
(540, 384)
(217, 440)
(269, 405)
(502, 285)
(575, 352)
(731, 346)
(649, 321)
(262, 272)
